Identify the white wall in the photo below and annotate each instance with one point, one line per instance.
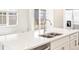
(67, 16)
(31, 20)
(23, 16)
(58, 18)
(26, 19)
(49, 14)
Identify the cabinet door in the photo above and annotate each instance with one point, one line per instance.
(78, 40)
(73, 45)
(2, 42)
(64, 46)
(74, 41)
(0, 46)
(59, 42)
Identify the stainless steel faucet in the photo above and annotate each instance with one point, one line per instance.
(45, 24)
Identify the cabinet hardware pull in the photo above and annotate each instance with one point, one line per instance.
(75, 43)
(78, 43)
(62, 48)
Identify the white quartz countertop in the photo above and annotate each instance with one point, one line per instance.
(26, 40)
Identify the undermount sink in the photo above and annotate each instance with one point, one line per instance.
(50, 35)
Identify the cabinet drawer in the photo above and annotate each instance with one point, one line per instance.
(64, 46)
(74, 36)
(58, 42)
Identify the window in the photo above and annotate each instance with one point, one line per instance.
(12, 18)
(2, 18)
(40, 17)
(8, 18)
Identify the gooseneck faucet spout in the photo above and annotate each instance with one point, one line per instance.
(45, 24)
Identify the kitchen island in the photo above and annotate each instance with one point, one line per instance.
(30, 40)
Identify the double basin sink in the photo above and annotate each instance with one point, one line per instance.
(50, 35)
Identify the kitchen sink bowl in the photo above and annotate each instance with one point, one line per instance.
(50, 35)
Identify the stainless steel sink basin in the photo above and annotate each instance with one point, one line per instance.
(50, 35)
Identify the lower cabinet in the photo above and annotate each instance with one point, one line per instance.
(73, 41)
(73, 45)
(60, 44)
(2, 41)
(64, 46)
(0, 46)
(67, 43)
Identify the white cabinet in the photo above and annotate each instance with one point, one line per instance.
(73, 41)
(73, 45)
(60, 44)
(2, 41)
(0, 46)
(67, 43)
(64, 46)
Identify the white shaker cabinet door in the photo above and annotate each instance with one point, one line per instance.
(73, 45)
(64, 46)
(2, 42)
(0, 46)
(73, 41)
(60, 43)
